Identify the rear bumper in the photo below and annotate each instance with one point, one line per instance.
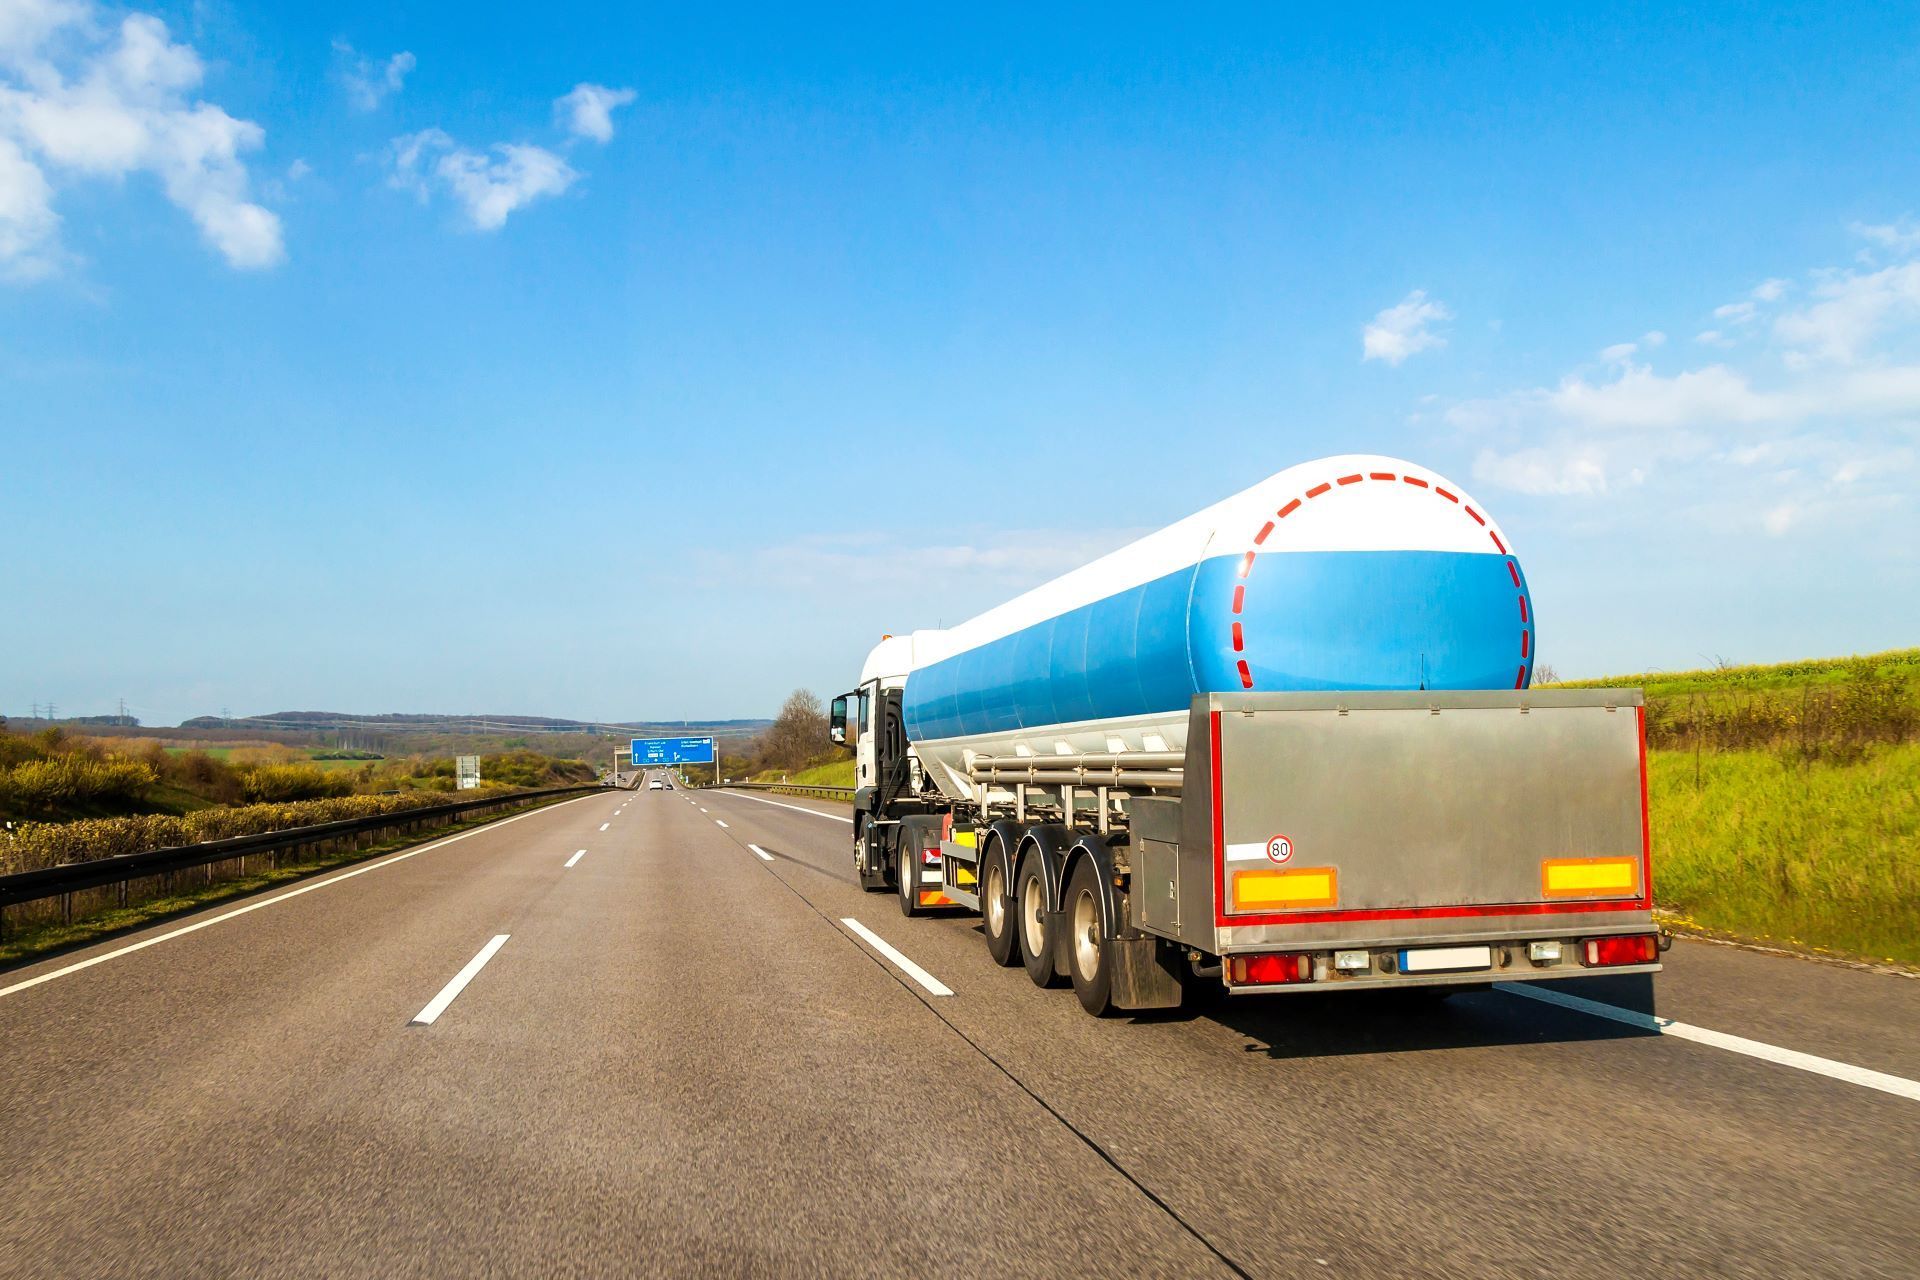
(1508, 958)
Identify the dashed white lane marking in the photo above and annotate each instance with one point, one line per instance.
(198, 925)
(797, 808)
(605, 825)
(702, 808)
(718, 823)
(438, 1005)
(578, 854)
(760, 853)
(1899, 1086)
(906, 966)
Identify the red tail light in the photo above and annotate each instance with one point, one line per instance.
(1269, 970)
(930, 856)
(1638, 948)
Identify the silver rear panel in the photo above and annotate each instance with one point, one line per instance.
(1434, 811)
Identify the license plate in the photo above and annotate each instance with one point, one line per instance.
(1446, 959)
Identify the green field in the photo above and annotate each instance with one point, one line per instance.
(1820, 857)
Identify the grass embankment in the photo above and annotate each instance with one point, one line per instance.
(834, 773)
(1785, 802)
(1822, 857)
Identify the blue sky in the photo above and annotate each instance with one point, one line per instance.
(643, 364)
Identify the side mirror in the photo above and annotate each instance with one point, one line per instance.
(837, 720)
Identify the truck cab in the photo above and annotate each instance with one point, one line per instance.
(888, 781)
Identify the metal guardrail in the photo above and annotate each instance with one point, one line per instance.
(793, 789)
(71, 877)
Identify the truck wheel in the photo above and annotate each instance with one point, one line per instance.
(996, 907)
(906, 868)
(1088, 929)
(867, 864)
(1030, 921)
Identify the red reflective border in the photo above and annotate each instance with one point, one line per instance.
(1222, 920)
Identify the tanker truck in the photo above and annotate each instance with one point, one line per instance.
(1286, 744)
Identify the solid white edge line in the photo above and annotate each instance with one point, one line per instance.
(797, 808)
(760, 853)
(1899, 1086)
(438, 1005)
(578, 854)
(309, 887)
(906, 966)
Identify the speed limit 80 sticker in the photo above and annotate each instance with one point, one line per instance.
(1280, 849)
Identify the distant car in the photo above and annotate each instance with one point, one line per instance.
(669, 786)
(654, 784)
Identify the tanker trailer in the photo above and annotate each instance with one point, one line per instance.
(1285, 744)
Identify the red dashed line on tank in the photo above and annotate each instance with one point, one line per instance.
(1266, 530)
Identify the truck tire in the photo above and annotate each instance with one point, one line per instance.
(1089, 962)
(1032, 921)
(996, 904)
(906, 866)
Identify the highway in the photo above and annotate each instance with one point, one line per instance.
(678, 1050)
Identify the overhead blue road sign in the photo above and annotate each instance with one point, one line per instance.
(648, 751)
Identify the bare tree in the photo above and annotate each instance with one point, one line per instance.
(1543, 673)
(799, 733)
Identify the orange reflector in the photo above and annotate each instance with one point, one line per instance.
(1285, 890)
(934, 898)
(1590, 877)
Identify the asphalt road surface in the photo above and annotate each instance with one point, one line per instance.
(672, 1054)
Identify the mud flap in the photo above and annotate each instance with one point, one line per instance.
(1146, 974)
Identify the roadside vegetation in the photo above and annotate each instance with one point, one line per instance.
(55, 776)
(1785, 802)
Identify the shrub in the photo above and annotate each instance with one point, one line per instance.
(282, 782)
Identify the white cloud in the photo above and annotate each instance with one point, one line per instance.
(1541, 470)
(369, 83)
(28, 224)
(1401, 330)
(1902, 236)
(1854, 308)
(1653, 338)
(587, 111)
(83, 98)
(488, 187)
(1814, 430)
(1005, 560)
